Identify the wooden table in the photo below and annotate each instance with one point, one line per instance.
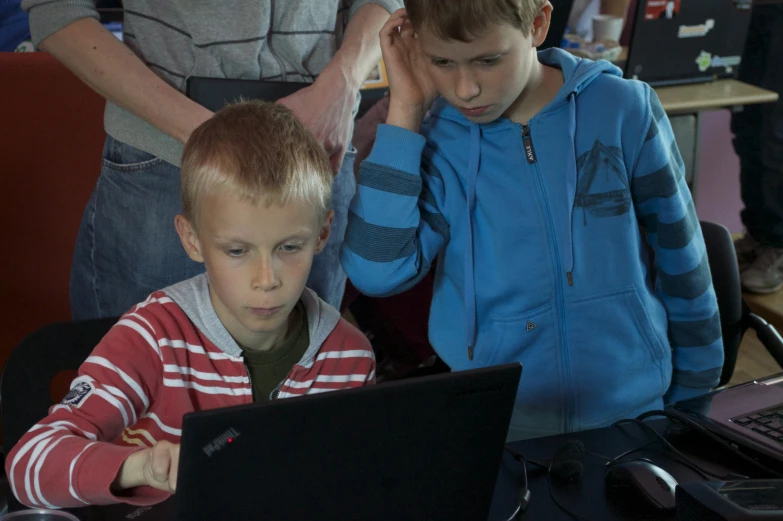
(686, 103)
(718, 94)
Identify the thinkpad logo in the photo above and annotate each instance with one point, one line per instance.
(531, 326)
(221, 441)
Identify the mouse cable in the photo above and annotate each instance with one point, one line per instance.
(681, 458)
(731, 448)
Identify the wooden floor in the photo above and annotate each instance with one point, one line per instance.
(753, 360)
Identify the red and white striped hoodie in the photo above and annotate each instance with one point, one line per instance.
(168, 356)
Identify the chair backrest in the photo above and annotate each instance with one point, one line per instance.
(726, 281)
(25, 385)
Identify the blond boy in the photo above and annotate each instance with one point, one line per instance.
(256, 190)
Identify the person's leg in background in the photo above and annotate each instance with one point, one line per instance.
(758, 142)
(327, 277)
(127, 246)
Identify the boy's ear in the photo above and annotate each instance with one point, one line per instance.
(324, 232)
(541, 24)
(188, 237)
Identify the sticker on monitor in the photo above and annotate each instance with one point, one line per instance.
(662, 9)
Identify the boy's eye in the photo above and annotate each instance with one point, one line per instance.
(235, 252)
(489, 61)
(440, 62)
(291, 248)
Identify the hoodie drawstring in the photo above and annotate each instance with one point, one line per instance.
(470, 282)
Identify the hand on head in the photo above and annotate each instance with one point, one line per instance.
(410, 87)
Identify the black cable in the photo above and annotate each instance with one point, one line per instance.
(523, 495)
(520, 458)
(690, 423)
(682, 458)
(559, 504)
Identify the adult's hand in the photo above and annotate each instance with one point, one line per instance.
(326, 109)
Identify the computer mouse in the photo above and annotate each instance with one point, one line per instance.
(654, 484)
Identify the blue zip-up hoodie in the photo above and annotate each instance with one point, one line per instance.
(569, 244)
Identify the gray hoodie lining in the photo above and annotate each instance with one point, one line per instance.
(192, 296)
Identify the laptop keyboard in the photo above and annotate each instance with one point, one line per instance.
(768, 423)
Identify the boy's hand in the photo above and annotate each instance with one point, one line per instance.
(156, 466)
(411, 89)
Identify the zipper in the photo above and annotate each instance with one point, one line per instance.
(249, 381)
(528, 142)
(280, 386)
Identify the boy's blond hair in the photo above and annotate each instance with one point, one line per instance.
(259, 151)
(465, 20)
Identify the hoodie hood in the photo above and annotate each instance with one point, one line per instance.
(192, 296)
(578, 74)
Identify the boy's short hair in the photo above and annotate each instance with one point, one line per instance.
(464, 20)
(258, 150)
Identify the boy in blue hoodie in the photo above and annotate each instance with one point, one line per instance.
(552, 193)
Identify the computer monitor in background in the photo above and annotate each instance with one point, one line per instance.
(561, 10)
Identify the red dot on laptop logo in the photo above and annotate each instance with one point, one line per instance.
(230, 440)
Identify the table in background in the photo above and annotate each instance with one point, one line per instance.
(685, 103)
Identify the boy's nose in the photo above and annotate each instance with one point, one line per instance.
(467, 87)
(264, 275)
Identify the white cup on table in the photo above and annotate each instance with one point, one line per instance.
(607, 28)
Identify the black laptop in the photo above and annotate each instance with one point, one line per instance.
(687, 41)
(749, 415)
(214, 93)
(422, 449)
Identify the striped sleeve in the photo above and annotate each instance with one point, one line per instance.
(683, 281)
(395, 224)
(67, 459)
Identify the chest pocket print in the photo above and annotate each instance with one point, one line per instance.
(602, 190)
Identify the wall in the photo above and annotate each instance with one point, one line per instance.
(718, 192)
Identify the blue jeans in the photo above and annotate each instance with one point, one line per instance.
(758, 129)
(127, 246)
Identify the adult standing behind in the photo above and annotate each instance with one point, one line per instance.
(126, 247)
(758, 141)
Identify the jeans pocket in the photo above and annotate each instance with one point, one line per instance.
(122, 157)
(617, 361)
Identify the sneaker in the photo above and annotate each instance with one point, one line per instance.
(765, 275)
(747, 248)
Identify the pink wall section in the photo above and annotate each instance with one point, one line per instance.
(718, 192)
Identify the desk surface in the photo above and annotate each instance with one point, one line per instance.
(588, 497)
(713, 95)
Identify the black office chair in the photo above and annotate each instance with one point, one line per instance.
(25, 395)
(735, 315)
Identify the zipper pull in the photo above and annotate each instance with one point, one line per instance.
(470, 352)
(570, 278)
(530, 152)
